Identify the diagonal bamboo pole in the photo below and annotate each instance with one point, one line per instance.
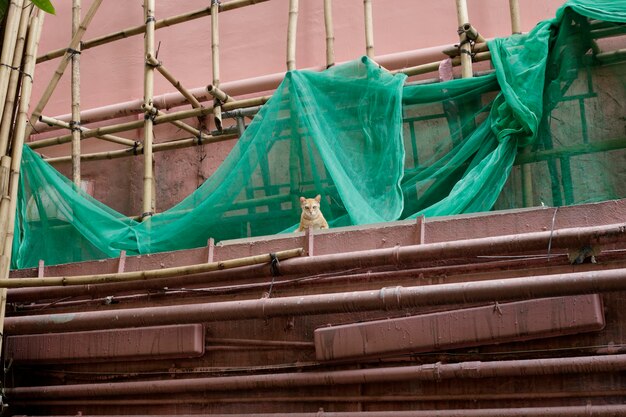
(291, 35)
(75, 124)
(62, 66)
(109, 138)
(369, 29)
(8, 47)
(7, 221)
(154, 112)
(330, 34)
(169, 77)
(141, 29)
(148, 134)
(9, 105)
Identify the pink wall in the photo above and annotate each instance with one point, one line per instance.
(253, 43)
(253, 40)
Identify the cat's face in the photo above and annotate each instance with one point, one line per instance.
(310, 206)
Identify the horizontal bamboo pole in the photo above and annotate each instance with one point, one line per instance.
(179, 124)
(434, 66)
(589, 148)
(138, 150)
(140, 29)
(109, 138)
(136, 124)
(104, 130)
(149, 274)
(169, 77)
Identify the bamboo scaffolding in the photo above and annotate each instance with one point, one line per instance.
(8, 204)
(169, 77)
(149, 274)
(75, 125)
(465, 47)
(330, 33)
(8, 46)
(369, 29)
(141, 29)
(109, 138)
(148, 134)
(215, 62)
(74, 43)
(291, 35)
(166, 118)
(9, 105)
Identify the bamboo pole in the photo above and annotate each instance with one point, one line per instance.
(109, 138)
(148, 274)
(75, 124)
(148, 134)
(157, 147)
(74, 43)
(465, 47)
(330, 34)
(218, 94)
(136, 124)
(10, 103)
(154, 112)
(215, 62)
(7, 220)
(434, 66)
(8, 47)
(140, 29)
(169, 77)
(369, 29)
(291, 35)
(516, 26)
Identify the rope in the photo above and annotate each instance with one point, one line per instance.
(274, 263)
(18, 69)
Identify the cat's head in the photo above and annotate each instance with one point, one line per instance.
(310, 206)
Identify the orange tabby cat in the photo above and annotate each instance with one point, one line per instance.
(312, 217)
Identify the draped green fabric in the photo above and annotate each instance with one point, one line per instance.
(378, 149)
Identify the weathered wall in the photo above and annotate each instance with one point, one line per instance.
(253, 44)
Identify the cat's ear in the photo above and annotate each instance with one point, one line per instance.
(302, 200)
(318, 198)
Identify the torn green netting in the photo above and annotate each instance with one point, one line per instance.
(378, 150)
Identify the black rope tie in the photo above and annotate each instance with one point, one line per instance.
(75, 125)
(150, 19)
(135, 148)
(72, 52)
(274, 263)
(18, 69)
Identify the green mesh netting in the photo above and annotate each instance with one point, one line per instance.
(378, 150)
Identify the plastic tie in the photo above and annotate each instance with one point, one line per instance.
(150, 19)
(274, 262)
(72, 52)
(135, 148)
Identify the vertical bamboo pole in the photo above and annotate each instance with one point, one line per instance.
(215, 57)
(369, 29)
(527, 179)
(291, 35)
(148, 88)
(8, 47)
(466, 58)
(62, 66)
(515, 17)
(75, 124)
(330, 34)
(9, 105)
(18, 143)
